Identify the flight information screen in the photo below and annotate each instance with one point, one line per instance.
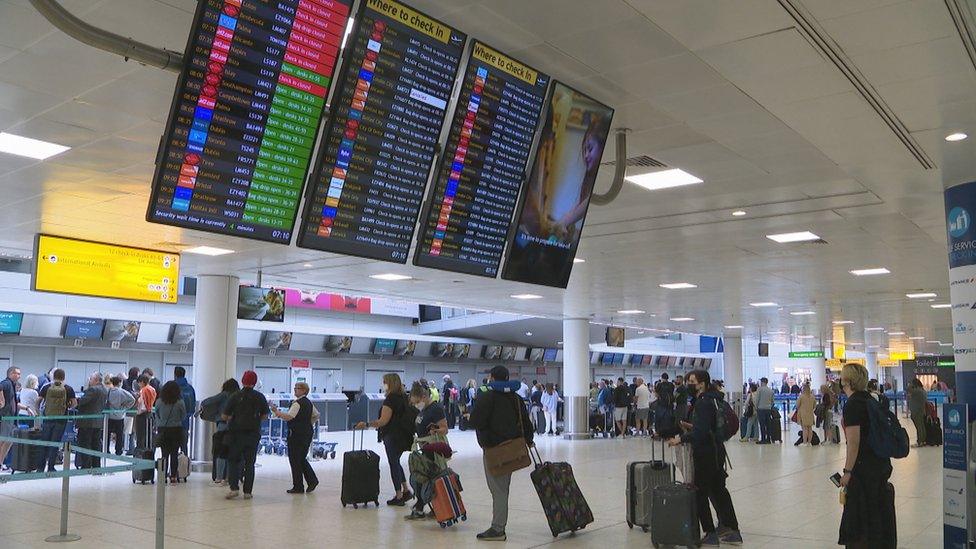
(244, 120)
(368, 186)
(483, 166)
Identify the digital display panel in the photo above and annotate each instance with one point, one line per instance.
(441, 350)
(550, 355)
(121, 330)
(550, 220)
(245, 116)
(405, 347)
(615, 337)
(10, 323)
(264, 304)
(461, 350)
(76, 327)
(482, 169)
(182, 334)
(535, 354)
(338, 344)
(80, 267)
(384, 346)
(368, 185)
(491, 352)
(278, 341)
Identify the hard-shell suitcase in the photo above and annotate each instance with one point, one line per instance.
(360, 475)
(563, 502)
(674, 516)
(642, 477)
(182, 467)
(446, 503)
(143, 476)
(540, 421)
(26, 457)
(773, 428)
(933, 432)
(743, 426)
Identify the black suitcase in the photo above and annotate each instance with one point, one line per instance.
(26, 457)
(674, 515)
(933, 431)
(774, 430)
(540, 421)
(143, 476)
(360, 475)
(463, 422)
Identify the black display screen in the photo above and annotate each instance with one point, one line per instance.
(482, 169)
(245, 116)
(368, 186)
(550, 220)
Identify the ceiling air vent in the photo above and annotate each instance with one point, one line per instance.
(642, 161)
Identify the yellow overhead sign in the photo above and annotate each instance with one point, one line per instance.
(81, 267)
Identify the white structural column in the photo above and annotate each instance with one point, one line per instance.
(819, 375)
(871, 362)
(214, 347)
(576, 377)
(733, 365)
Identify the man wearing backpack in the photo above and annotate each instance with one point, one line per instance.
(706, 434)
(244, 412)
(189, 397)
(57, 398)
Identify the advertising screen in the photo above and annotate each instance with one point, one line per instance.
(265, 304)
(482, 169)
(76, 327)
(10, 323)
(406, 348)
(536, 354)
(557, 195)
(508, 353)
(615, 337)
(371, 172)
(121, 330)
(491, 352)
(384, 346)
(80, 267)
(279, 341)
(461, 350)
(245, 115)
(338, 344)
(441, 349)
(550, 355)
(182, 334)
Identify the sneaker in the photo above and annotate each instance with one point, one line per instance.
(396, 502)
(295, 491)
(311, 488)
(492, 535)
(407, 497)
(732, 537)
(248, 496)
(232, 494)
(710, 540)
(416, 515)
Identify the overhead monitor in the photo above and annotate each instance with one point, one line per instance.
(461, 350)
(550, 355)
(647, 360)
(81, 267)
(481, 171)
(76, 327)
(536, 354)
(278, 341)
(508, 353)
(375, 157)
(338, 344)
(618, 358)
(672, 361)
(121, 330)
(635, 359)
(245, 116)
(10, 323)
(406, 347)
(707, 364)
(182, 334)
(492, 352)
(550, 218)
(384, 346)
(615, 337)
(441, 350)
(264, 304)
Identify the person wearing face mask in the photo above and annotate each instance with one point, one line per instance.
(395, 428)
(431, 422)
(708, 454)
(302, 419)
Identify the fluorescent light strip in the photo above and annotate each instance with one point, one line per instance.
(390, 277)
(664, 179)
(677, 286)
(579, 260)
(941, 305)
(630, 312)
(916, 338)
(31, 148)
(733, 327)
(870, 272)
(786, 238)
(738, 213)
(876, 329)
(920, 295)
(682, 319)
(896, 333)
(958, 136)
(839, 322)
(207, 250)
(764, 304)
(803, 313)
(525, 296)
(805, 337)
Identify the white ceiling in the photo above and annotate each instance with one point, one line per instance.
(733, 92)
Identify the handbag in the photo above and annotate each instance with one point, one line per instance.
(750, 410)
(511, 455)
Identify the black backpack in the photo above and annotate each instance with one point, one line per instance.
(887, 438)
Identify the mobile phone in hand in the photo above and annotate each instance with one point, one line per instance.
(835, 478)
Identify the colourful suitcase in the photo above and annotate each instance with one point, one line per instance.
(446, 503)
(563, 502)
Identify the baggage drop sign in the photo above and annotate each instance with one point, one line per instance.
(954, 476)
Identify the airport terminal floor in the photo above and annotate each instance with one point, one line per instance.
(782, 497)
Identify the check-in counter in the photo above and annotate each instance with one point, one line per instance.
(366, 407)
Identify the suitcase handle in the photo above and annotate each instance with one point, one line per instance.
(362, 439)
(535, 455)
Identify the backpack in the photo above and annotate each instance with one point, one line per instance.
(210, 409)
(727, 422)
(887, 438)
(664, 421)
(405, 424)
(56, 400)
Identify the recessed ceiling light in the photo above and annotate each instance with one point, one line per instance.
(525, 296)
(664, 179)
(946, 344)
(934, 342)
(786, 238)
(640, 332)
(682, 319)
(207, 250)
(579, 260)
(559, 343)
(874, 346)
(920, 295)
(958, 136)
(838, 322)
(803, 313)
(896, 333)
(805, 337)
(871, 271)
(307, 265)
(390, 277)
(528, 334)
(853, 343)
(677, 286)
(764, 304)
(738, 213)
(941, 305)
(916, 338)
(31, 148)
(776, 333)
(733, 327)
(630, 312)
(875, 329)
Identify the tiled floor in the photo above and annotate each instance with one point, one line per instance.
(782, 497)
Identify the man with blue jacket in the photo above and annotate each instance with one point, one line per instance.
(189, 401)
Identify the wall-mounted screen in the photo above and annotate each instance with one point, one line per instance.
(536, 354)
(338, 344)
(10, 323)
(182, 334)
(384, 346)
(483, 166)
(672, 361)
(441, 350)
(550, 355)
(461, 350)
(368, 185)
(278, 341)
(76, 327)
(647, 360)
(615, 337)
(491, 352)
(698, 362)
(618, 358)
(554, 204)
(265, 304)
(81, 267)
(606, 358)
(635, 359)
(508, 353)
(245, 115)
(406, 347)
(121, 330)
(707, 364)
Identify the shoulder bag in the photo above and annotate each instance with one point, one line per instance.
(511, 455)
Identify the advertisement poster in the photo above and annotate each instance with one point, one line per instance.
(954, 487)
(325, 301)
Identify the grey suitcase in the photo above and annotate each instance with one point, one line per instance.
(642, 478)
(674, 516)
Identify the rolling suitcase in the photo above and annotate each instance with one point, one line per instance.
(642, 477)
(446, 503)
(360, 475)
(674, 516)
(933, 432)
(26, 457)
(774, 429)
(563, 502)
(143, 476)
(540, 421)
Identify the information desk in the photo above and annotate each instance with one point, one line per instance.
(367, 188)
(366, 407)
(483, 166)
(246, 114)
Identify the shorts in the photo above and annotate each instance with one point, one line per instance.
(6, 428)
(620, 414)
(643, 414)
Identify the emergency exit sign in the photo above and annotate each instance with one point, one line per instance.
(806, 354)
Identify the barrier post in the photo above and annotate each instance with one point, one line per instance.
(65, 485)
(160, 502)
(104, 438)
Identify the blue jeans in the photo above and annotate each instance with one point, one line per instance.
(393, 453)
(751, 427)
(52, 431)
(764, 425)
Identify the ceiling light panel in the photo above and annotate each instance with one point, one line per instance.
(678, 286)
(390, 277)
(207, 250)
(664, 179)
(870, 272)
(786, 238)
(764, 304)
(30, 148)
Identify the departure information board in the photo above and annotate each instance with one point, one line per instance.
(483, 166)
(244, 120)
(368, 186)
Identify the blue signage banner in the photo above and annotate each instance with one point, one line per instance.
(960, 205)
(955, 431)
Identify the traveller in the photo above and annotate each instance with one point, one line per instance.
(131, 382)
(144, 406)
(917, 402)
(665, 389)
(393, 431)
(497, 418)
(56, 397)
(550, 402)
(827, 401)
(302, 417)
(219, 446)
(523, 390)
(45, 378)
(9, 407)
(189, 397)
(535, 404)
(752, 415)
(708, 454)
(868, 519)
(431, 424)
(680, 398)
(795, 389)
(119, 400)
(92, 402)
(621, 402)
(642, 401)
(153, 382)
(764, 406)
(472, 390)
(449, 398)
(804, 413)
(168, 411)
(29, 397)
(244, 412)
